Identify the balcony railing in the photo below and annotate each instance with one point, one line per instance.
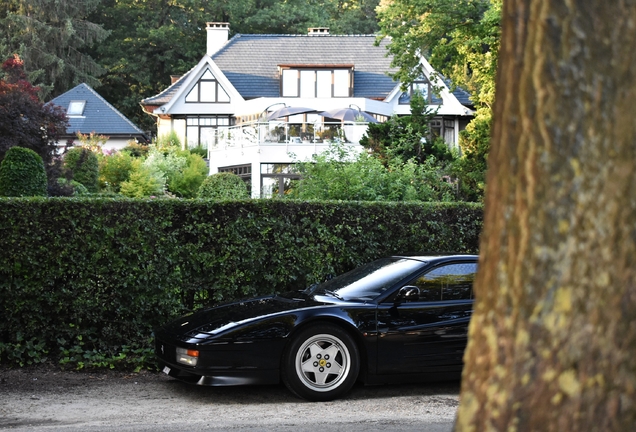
(282, 133)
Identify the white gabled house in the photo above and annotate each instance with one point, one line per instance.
(258, 103)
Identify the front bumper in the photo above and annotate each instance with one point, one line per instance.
(220, 378)
(223, 365)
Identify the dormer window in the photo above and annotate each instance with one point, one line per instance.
(207, 90)
(422, 86)
(76, 108)
(316, 82)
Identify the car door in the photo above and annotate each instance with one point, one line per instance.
(427, 332)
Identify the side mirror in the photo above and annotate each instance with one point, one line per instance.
(409, 293)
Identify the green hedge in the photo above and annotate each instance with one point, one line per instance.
(83, 280)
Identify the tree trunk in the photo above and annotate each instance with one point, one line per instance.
(552, 343)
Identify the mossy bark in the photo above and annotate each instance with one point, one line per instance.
(552, 343)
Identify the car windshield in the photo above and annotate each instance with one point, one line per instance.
(370, 280)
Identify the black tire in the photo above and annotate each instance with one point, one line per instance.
(321, 363)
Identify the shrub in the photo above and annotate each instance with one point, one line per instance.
(199, 151)
(168, 162)
(22, 173)
(167, 141)
(340, 174)
(83, 165)
(76, 187)
(114, 169)
(92, 141)
(143, 181)
(223, 185)
(186, 183)
(55, 171)
(136, 149)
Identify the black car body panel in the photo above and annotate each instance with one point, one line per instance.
(245, 342)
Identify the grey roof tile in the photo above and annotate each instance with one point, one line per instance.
(166, 95)
(250, 63)
(99, 116)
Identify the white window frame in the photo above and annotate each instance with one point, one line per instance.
(308, 82)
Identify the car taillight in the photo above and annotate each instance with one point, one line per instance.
(187, 356)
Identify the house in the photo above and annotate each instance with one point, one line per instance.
(258, 103)
(88, 113)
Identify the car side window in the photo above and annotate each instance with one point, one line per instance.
(448, 282)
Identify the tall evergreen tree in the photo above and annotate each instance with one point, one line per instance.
(50, 36)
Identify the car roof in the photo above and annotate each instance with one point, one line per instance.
(433, 258)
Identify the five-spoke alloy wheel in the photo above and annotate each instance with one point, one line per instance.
(321, 363)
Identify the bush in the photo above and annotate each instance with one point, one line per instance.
(76, 187)
(223, 185)
(340, 174)
(114, 169)
(167, 141)
(83, 165)
(143, 181)
(22, 173)
(136, 149)
(85, 280)
(168, 162)
(199, 151)
(186, 183)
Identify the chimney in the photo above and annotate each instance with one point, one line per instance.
(317, 31)
(217, 36)
(174, 78)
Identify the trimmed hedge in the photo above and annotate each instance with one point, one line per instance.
(84, 280)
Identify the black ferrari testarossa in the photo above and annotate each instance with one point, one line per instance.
(394, 319)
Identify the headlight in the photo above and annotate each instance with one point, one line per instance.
(187, 356)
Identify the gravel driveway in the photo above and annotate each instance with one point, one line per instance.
(45, 399)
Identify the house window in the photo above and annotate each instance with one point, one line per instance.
(207, 90)
(276, 179)
(290, 83)
(341, 83)
(323, 84)
(316, 83)
(76, 108)
(307, 84)
(201, 131)
(443, 128)
(422, 86)
(243, 171)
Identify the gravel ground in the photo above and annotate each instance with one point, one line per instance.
(46, 399)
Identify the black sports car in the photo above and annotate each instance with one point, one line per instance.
(394, 319)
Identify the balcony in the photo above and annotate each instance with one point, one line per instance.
(307, 135)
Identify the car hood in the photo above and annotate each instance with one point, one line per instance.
(215, 320)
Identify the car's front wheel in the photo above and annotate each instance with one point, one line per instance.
(321, 363)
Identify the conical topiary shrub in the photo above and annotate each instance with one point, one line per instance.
(22, 173)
